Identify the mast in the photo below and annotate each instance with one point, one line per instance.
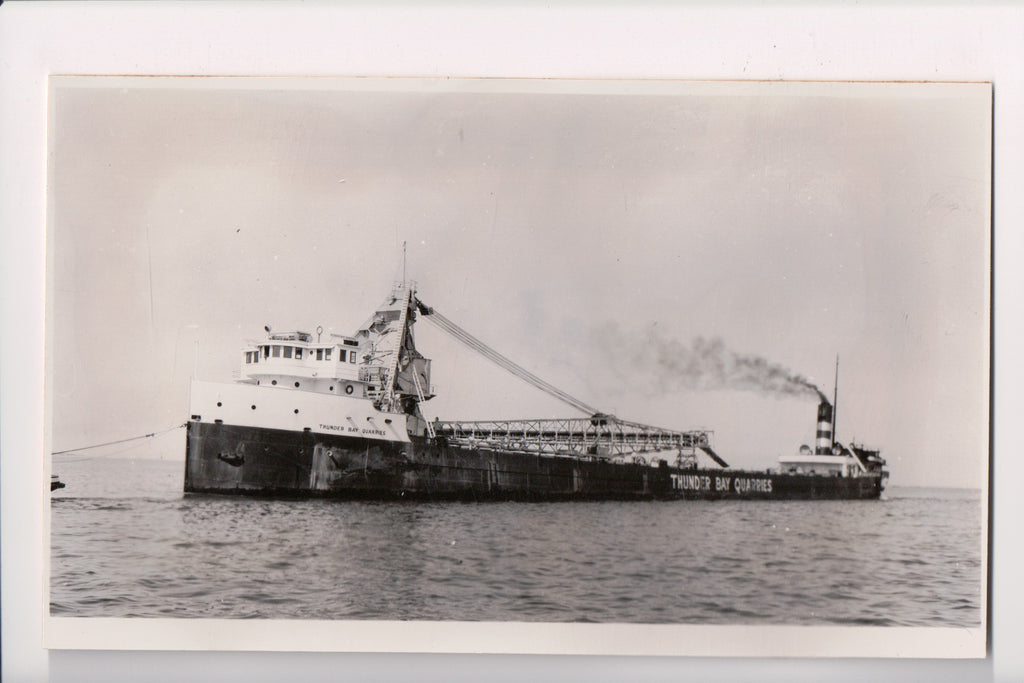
(394, 363)
(835, 402)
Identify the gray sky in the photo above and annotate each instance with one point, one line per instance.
(793, 222)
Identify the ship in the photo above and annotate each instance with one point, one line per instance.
(338, 416)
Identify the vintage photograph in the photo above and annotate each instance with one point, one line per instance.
(519, 351)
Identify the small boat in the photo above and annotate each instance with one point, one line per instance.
(55, 482)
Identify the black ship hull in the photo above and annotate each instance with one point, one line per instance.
(227, 459)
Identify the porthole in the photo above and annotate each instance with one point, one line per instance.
(296, 385)
(274, 382)
(253, 407)
(296, 411)
(332, 388)
(219, 404)
(348, 389)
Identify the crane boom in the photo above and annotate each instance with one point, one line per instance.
(498, 359)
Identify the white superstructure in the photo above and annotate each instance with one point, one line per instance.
(806, 462)
(368, 385)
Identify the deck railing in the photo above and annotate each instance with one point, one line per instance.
(601, 437)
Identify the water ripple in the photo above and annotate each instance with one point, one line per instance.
(909, 561)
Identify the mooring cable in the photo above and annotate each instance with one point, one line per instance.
(111, 443)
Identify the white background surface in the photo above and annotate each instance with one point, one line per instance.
(938, 42)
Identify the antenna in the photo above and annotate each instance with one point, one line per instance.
(403, 264)
(835, 402)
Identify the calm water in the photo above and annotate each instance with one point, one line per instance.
(126, 542)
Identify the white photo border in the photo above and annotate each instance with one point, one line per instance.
(933, 42)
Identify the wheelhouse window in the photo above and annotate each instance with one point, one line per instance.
(319, 354)
(266, 351)
(288, 352)
(352, 357)
(327, 354)
(275, 351)
(298, 353)
(341, 355)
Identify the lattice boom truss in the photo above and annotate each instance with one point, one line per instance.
(574, 437)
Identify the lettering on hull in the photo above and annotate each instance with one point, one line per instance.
(703, 483)
(351, 430)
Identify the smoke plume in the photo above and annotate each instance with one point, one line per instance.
(707, 364)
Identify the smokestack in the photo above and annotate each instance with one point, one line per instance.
(823, 445)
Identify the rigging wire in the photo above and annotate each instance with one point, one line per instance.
(510, 366)
(111, 443)
(501, 361)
